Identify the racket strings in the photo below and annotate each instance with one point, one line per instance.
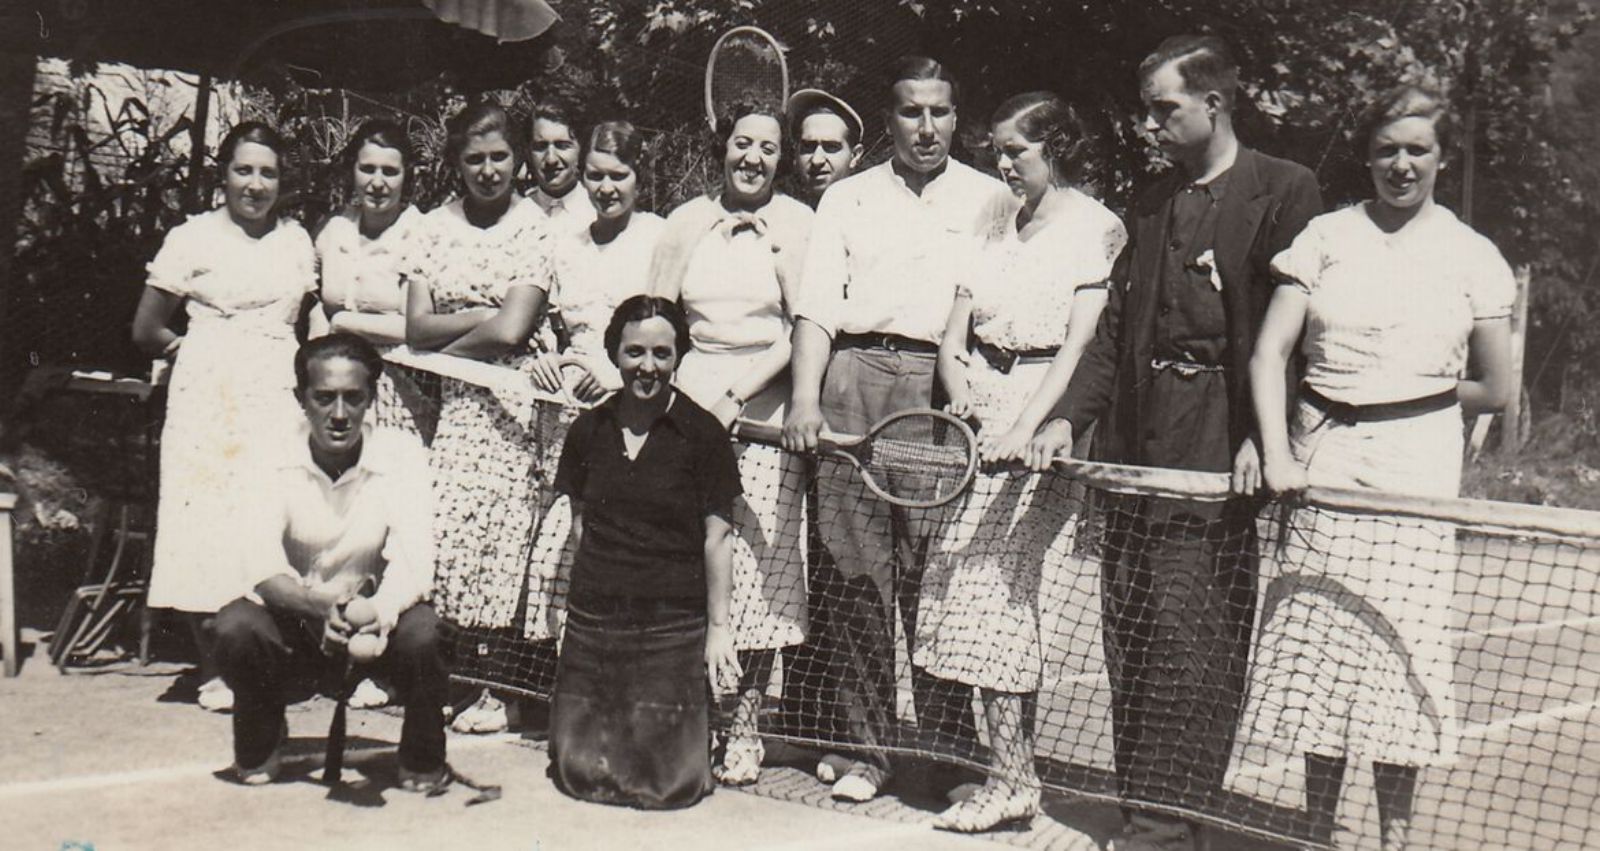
(746, 69)
(918, 458)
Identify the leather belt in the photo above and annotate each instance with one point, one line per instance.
(1004, 360)
(1348, 414)
(890, 342)
(1187, 369)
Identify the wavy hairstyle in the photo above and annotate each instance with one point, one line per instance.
(1043, 117)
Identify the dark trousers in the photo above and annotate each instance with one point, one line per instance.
(261, 651)
(861, 647)
(1178, 599)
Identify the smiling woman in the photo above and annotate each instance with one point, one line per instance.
(652, 481)
(242, 273)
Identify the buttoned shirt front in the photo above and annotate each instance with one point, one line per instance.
(373, 526)
(1192, 325)
(884, 259)
(570, 212)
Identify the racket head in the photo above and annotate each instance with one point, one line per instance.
(916, 458)
(746, 65)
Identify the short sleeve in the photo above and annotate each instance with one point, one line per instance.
(1491, 285)
(306, 254)
(717, 474)
(573, 468)
(530, 262)
(1113, 238)
(177, 263)
(1302, 263)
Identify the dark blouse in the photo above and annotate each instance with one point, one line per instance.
(644, 527)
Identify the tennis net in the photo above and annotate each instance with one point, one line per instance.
(1446, 649)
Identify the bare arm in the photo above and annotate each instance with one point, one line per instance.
(285, 593)
(761, 373)
(150, 321)
(504, 329)
(1280, 330)
(952, 372)
(426, 329)
(807, 363)
(382, 328)
(1489, 384)
(720, 653)
(1087, 305)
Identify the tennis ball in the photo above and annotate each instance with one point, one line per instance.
(365, 647)
(360, 612)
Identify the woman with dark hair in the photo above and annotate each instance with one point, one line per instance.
(597, 267)
(1012, 340)
(732, 258)
(652, 480)
(361, 251)
(242, 273)
(478, 276)
(1402, 315)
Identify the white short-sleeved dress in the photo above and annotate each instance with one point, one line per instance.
(486, 453)
(364, 275)
(1353, 654)
(591, 280)
(230, 400)
(978, 618)
(736, 312)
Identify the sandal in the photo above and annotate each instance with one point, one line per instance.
(991, 807)
(741, 762)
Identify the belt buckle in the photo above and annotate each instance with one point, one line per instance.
(1006, 360)
(888, 342)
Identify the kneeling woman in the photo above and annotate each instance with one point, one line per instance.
(652, 480)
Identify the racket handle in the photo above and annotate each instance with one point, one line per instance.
(333, 759)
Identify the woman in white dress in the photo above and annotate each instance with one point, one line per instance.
(598, 267)
(732, 258)
(1032, 309)
(1402, 315)
(478, 277)
(243, 274)
(360, 253)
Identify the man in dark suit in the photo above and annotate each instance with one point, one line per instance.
(1166, 379)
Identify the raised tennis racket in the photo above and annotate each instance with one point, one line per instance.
(918, 458)
(746, 65)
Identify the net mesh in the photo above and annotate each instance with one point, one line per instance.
(1262, 666)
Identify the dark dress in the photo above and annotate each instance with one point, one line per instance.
(630, 721)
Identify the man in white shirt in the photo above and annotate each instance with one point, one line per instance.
(346, 511)
(556, 158)
(888, 247)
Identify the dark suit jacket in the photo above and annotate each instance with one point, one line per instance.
(1267, 202)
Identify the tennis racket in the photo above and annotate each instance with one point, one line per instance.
(918, 458)
(746, 65)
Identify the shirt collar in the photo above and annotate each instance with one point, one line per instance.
(1217, 187)
(373, 459)
(673, 415)
(893, 166)
(549, 203)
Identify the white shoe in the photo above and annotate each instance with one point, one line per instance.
(832, 767)
(215, 696)
(858, 784)
(368, 695)
(488, 715)
(267, 771)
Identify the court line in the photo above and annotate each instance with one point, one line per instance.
(1518, 629)
(84, 782)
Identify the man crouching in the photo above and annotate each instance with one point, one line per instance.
(345, 510)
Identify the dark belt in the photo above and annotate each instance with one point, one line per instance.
(1004, 360)
(1351, 414)
(891, 342)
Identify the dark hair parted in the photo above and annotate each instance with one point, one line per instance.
(1043, 117)
(479, 119)
(385, 134)
(921, 68)
(622, 140)
(255, 132)
(743, 109)
(1408, 100)
(338, 345)
(641, 307)
(1205, 62)
(557, 113)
